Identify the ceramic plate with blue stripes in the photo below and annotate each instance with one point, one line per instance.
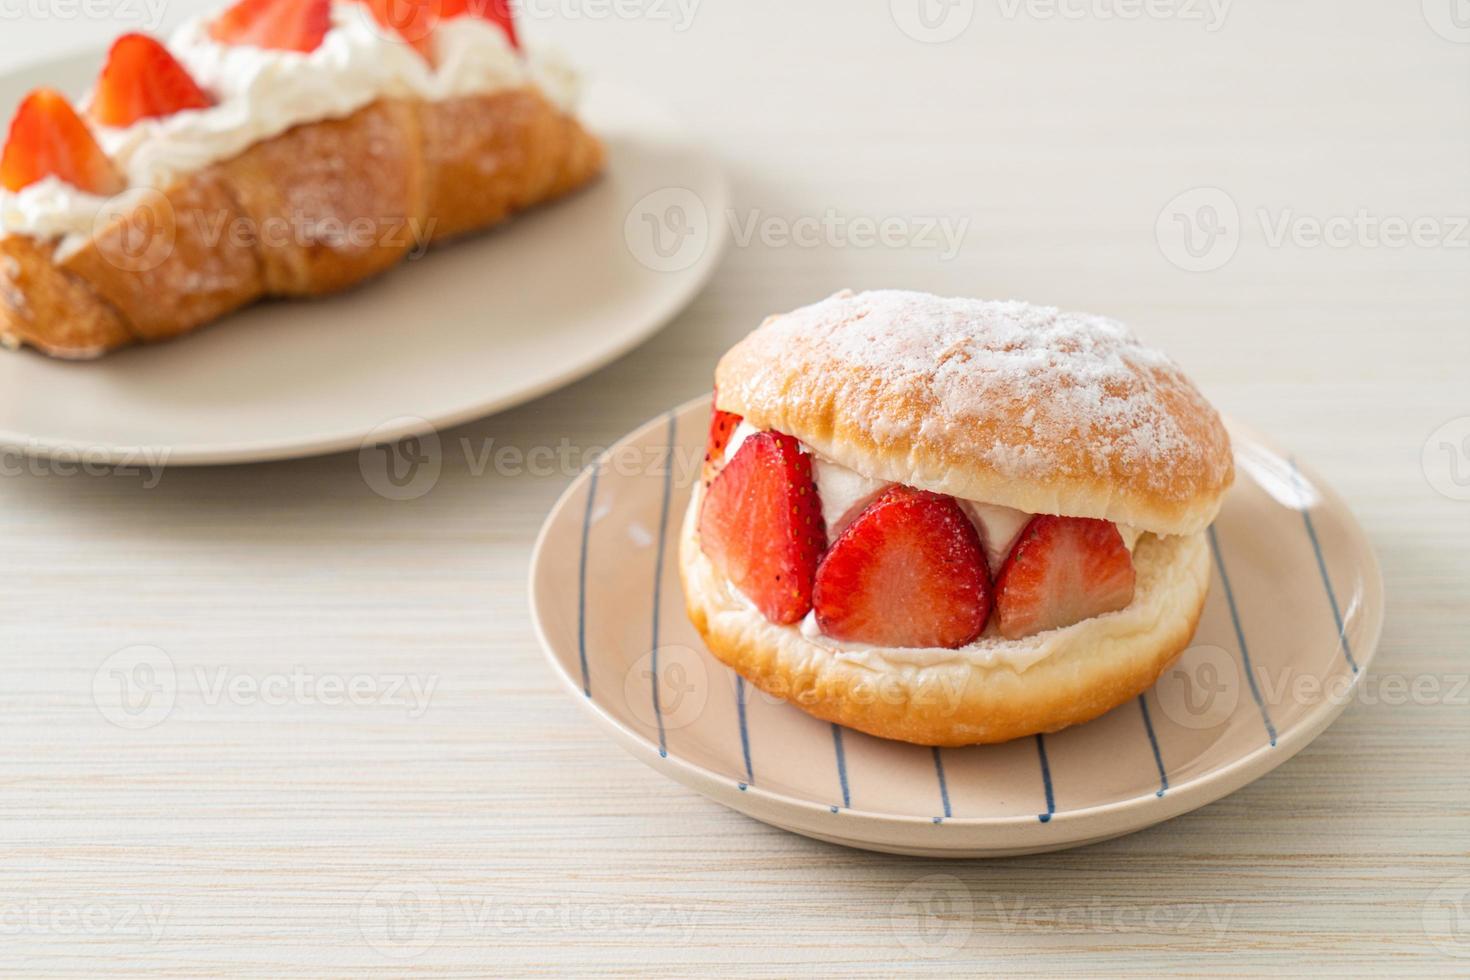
(1290, 625)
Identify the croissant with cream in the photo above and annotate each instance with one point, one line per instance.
(321, 145)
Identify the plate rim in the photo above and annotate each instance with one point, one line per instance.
(1018, 832)
(406, 425)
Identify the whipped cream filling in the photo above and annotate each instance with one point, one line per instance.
(1154, 558)
(260, 94)
(49, 208)
(845, 493)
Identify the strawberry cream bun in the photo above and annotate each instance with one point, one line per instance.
(952, 521)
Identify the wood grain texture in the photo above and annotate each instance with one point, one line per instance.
(244, 836)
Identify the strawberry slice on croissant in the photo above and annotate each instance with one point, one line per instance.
(142, 80)
(413, 21)
(49, 139)
(495, 11)
(277, 25)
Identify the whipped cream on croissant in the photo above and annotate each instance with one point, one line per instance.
(261, 93)
(49, 208)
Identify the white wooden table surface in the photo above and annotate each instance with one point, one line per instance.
(478, 824)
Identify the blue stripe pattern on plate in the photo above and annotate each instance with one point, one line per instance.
(1051, 802)
(582, 577)
(1245, 654)
(1347, 650)
(744, 730)
(658, 579)
(943, 786)
(1153, 741)
(841, 767)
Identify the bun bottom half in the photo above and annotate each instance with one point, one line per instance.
(994, 690)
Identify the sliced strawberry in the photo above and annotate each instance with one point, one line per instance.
(496, 11)
(1061, 571)
(909, 571)
(721, 427)
(278, 25)
(761, 525)
(412, 21)
(140, 81)
(48, 139)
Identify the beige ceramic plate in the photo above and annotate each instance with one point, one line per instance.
(467, 330)
(1291, 623)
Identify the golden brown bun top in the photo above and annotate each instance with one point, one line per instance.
(1001, 402)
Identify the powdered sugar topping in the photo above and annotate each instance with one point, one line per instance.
(1068, 375)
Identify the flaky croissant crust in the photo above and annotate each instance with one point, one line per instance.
(320, 208)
